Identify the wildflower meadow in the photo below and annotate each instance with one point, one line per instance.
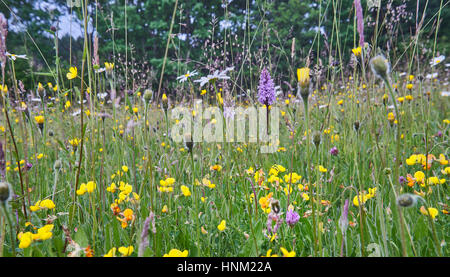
(224, 128)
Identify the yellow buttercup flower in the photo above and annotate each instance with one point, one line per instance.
(432, 212)
(177, 253)
(269, 254)
(109, 67)
(72, 74)
(25, 239)
(391, 117)
(287, 253)
(357, 51)
(222, 226)
(74, 142)
(185, 190)
(4, 88)
(45, 233)
(39, 119)
(126, 251)
(111, 253)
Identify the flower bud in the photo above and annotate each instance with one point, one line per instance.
(41, 90)
(334, 151)
(387, 171)
(303, 82)
(275, 204)
(316, 138)
(148, 94)
(188, 142)
(380, 66)
(356, 126)
(165, 102)
(57, 165)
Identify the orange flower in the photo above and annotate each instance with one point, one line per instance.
(89, 252)
(410, 180)
(115, 208)
(128, 214)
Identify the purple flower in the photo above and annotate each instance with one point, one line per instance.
(292, 217)
(343, 220)
(29, 165)
(439, 134)
(266, 89)
(334, 151)
(360, 22)
(401, 180)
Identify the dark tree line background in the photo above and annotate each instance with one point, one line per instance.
(199, 39)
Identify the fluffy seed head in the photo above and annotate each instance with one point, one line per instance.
(380, 66)
(407, 200)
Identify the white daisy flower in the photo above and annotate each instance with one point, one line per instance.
(14, 56)
(183, 78)
(212, 78)
(437, 60)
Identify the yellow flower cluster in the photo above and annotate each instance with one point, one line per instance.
(264, 202)
(205, 182)
(89, 188)
(44, 204)
(364, 196)
(166, 185)
(27, 238)
(125, 191)
(432, 212)
(185, 190)
(39, 119)
(74, 142)
(125, 251)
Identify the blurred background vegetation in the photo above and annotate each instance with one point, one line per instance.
(135, 32)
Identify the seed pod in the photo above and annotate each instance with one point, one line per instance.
(5, 192)
(188, 142)
(317, 139)
(275, 204)
(356, 126)
(148, 94)
(407, 200)
(380, 66)
(57, 165)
